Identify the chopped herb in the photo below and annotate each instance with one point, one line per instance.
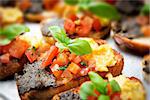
(63, 68)
(83, 63)
(34, 48)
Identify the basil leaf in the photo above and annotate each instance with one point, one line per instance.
(83, 4)
(103, 97)
(98, 82)
(4, 41)
(83, 63)
(87, 89)
(62, 68)
(77, 46)
(104, 10)
(59, 34)
(80, 47)
(71, 2)
(13, 30)
(145, 9)
(115, 86)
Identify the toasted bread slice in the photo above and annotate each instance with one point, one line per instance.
(47, 93)
(133, 45)
(73, 94)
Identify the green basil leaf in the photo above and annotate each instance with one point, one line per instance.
(104, 10)
(80, 47)
(103, 97)
(83, 4)
(83, 63)
(71, 2)
(13, 30)
(115, 86)
(59, 34)
(145, 10)
(62, 68)
(98, 82)
(4, 41)
(87, 89)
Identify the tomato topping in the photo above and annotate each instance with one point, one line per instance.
(50, 55)
(73, 17)
(55, 69)
(115, 96)
(5, 49)
(67, 76)
(31, 55)
(84, 71)
(92, 98)
(74, 68)
(4, 58)
(62, 59)
(96, 25)
(109, 89)
(71, 56)
(18, 48)
(85, 27)
(69, 26)
(77, 60)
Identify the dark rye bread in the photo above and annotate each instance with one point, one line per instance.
(72, 94)
(46, 92)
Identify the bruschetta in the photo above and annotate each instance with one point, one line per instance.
(66, 66)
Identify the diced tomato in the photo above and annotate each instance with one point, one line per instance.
(72, 56)
(96, 24)
(55, 69)
(73, 17)
(67, 76)
(84, 71)
(5, 49)
(92, 64)
(109, 89)
(69, 26)
(115, 96)
(31, 55)
(96, 92)
(77, 60)
(62, 59)
(85, 27)
(92, 98)
(4, 58)
(50, 55)
(18, 48)
(74, 68)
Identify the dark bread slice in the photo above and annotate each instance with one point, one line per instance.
(136, 47)
(48, 92)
